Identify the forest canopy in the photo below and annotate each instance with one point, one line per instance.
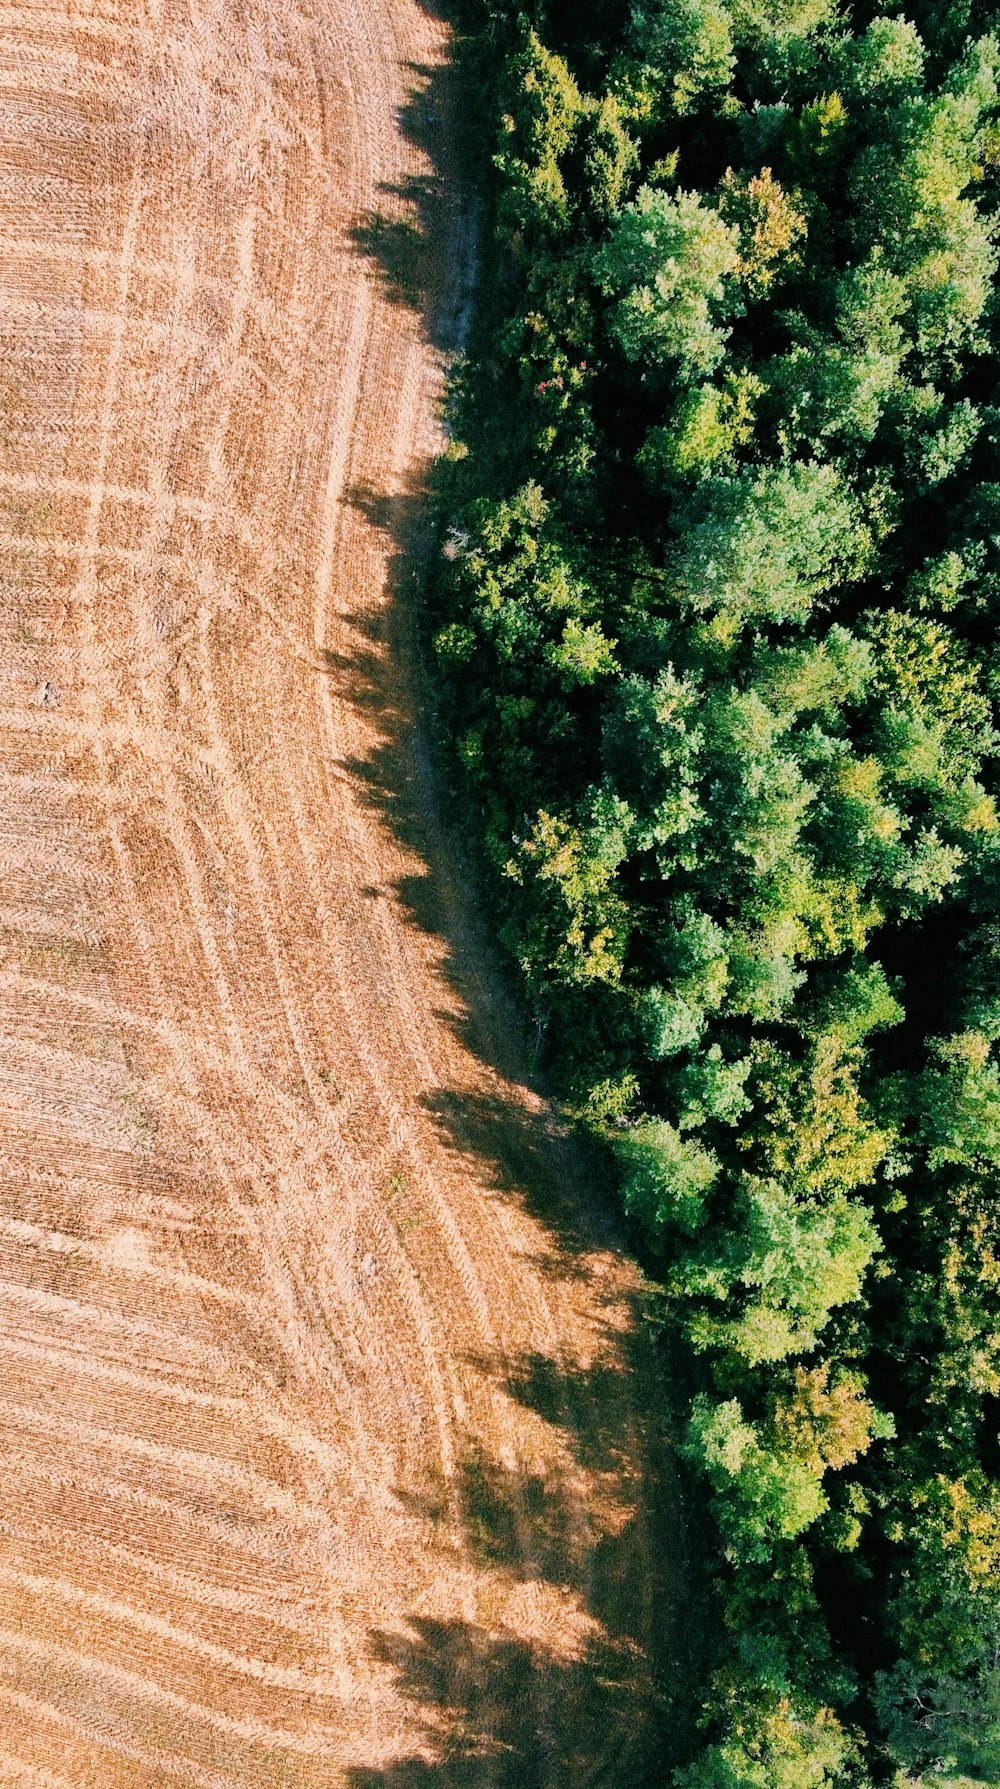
(716, 624)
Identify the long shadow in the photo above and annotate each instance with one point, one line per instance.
(499, 1710)
(516, 1717)
(407, 237)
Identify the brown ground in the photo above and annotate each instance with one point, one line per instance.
(323, 1410)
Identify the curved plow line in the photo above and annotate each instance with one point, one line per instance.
(104, 1489)
(191, 1776)
(85, 254)
(286, 1677)
(60, 546)
(264, 1494)
(40, 19)
(266, 1420)
(77, 1361)
(146, 1688)
(272, 1606)
(61, 1242)
(35, 1776)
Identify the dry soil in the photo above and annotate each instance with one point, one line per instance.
(324, 1411)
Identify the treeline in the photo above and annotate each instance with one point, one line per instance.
(716, 616)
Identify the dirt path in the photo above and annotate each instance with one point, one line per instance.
(321, 1416)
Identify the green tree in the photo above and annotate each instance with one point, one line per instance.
(761, 1495)
(941, 1703)
(540, 124)
(767, 545)
(665, 265)
(715, 612)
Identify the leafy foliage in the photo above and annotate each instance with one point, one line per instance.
(716, 616)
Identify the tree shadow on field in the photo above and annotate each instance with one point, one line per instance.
(407, 237)
(560, 1684)
(501, 1711)
(514, 1716)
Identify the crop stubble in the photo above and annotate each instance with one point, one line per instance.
(322, 1454)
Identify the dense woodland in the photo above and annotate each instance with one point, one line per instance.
(716, 620)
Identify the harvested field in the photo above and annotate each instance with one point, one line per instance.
(323, 1408)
